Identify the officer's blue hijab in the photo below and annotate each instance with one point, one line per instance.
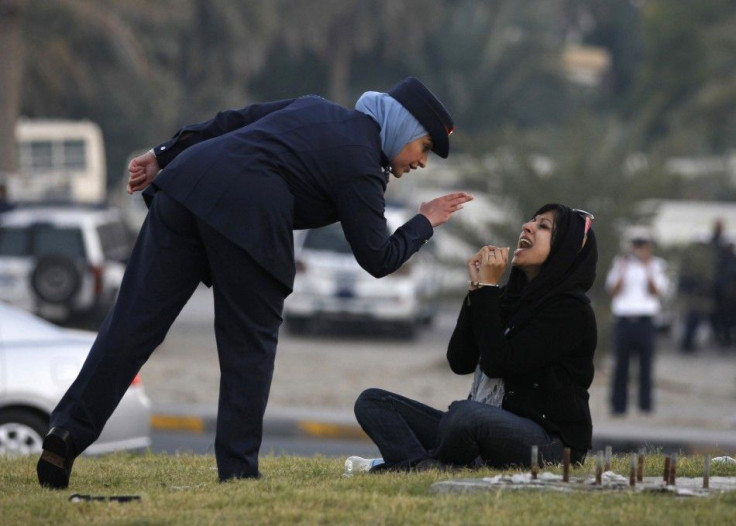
(398, 126)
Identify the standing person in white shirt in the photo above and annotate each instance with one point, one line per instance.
(637, 281)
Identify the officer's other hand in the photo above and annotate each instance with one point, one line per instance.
(142, 170)
(439, 210)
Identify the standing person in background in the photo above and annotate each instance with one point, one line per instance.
(722, 298)
(696, 290)
(637, 281)
(4, 203)
(222, 212)
(727, 278)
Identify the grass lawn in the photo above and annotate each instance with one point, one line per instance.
(184, 490)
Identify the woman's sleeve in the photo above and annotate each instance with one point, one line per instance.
(222, 123)
(545, 340)
(462, 351)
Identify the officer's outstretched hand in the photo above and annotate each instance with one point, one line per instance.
(439, 210)
(142, 170)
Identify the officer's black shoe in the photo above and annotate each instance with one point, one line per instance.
(55, 465)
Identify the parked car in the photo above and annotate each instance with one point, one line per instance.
(331, 286)
(57, 261)
(38, 362)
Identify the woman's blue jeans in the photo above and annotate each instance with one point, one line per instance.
(468, 434)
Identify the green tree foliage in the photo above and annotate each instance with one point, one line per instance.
(499, 63)
(615, 26)
(141, 69)
(687, 86)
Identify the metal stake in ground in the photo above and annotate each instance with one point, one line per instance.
(566, 465)
(535, 461)
(673, 470)
(599, 468)
(706, 472)
(666, 476)
(632, 470)
(640, 466)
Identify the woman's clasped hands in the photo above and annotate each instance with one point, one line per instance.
(487, 266)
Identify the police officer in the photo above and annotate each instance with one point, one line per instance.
(225, 200)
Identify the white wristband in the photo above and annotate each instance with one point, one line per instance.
(481, 284)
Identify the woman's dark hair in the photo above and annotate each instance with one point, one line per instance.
(568, 270)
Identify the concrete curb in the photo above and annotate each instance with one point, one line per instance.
(330, 425)
(277, 422)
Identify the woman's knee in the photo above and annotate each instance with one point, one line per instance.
(369, 398)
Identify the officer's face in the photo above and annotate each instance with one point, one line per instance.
(413, 156)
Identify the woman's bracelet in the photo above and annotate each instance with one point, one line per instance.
(477, 284)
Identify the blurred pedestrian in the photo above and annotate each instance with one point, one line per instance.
(5, 204)
(726, 283)
(696, 290)
(222, 211)
(637, 281)
(722, 290)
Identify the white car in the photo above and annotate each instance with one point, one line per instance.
(58, 261)
(38, 362)
(331, 286)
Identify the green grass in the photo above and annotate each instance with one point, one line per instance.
(184, 490)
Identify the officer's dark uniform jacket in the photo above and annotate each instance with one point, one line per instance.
(257, 173)
(230, 192)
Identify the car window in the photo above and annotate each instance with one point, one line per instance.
(14, 241)
(114, 240)
(67, 241)
(329, 238)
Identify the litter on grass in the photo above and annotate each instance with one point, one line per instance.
(610, 481)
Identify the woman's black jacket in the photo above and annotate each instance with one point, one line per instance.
(546, 365)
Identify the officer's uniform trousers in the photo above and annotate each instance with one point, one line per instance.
(174, 252)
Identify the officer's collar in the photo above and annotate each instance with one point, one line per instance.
(385, 166)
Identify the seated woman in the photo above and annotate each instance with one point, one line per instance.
(530, 346)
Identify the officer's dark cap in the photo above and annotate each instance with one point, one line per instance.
(428, 110)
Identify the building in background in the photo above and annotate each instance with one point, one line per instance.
(60, 160)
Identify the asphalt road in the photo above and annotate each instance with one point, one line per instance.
(204, 443)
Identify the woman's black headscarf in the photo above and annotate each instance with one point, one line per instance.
(568, 270)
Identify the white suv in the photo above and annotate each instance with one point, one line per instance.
(330, 285)
(62, 260)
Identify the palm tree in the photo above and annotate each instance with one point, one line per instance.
(11, 74)
(339, 30)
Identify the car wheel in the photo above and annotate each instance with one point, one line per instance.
(55, 279)
(21, 433)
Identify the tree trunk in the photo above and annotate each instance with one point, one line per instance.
(11, 77)
(339, 61)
